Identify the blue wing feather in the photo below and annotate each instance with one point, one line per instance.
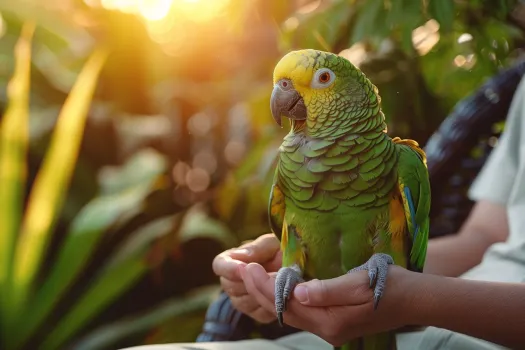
(408, 196)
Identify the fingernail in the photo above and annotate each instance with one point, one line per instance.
(242, 271)
(242, 251)
(301, 294)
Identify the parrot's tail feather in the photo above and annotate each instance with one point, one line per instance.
(382, 341)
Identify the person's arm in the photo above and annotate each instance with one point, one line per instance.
(342, 308)
(455, 254)
(487, 224)
(485, 310)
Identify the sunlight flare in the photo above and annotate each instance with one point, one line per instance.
(157, 10)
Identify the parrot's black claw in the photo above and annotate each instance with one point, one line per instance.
(285, 282)
(377, 267)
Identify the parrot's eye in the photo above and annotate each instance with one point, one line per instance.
(285, 84)
(324, 77)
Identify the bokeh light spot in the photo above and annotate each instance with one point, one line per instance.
(426, 37)
(198, 180)
(2, 26)
(205, 160)
(355, 54)
(234, 152)
(459, 60)
(465, 37)
(291, 23)
(199, 124)
(179, 172)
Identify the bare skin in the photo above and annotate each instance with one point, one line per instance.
(265, 251)
(447, 256)
(341, 309)
(455, 254)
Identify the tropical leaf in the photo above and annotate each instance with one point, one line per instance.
(13, 152)
(106, 336)
(51, 183)
(368, 21)
(443, 11)
(197, 224)
(123, 269)
(138, 177)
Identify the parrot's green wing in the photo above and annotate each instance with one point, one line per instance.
(276, 207)
(414, 186)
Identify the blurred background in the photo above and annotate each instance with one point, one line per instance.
(137, 141)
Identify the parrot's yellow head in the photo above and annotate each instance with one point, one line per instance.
(319, 91)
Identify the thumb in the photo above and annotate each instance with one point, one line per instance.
(349, 289)
(261, 250)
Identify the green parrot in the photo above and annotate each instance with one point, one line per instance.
(346, 196)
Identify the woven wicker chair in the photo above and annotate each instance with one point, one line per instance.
(456, 152)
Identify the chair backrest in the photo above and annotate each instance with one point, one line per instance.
(459, 148)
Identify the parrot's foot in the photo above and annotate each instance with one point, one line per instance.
(377, 267)
(285, 282)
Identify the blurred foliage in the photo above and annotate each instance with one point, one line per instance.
(118, 188)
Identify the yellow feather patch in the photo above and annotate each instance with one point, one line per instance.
(291, 247)
(397, 222)
(296, 66)
(284, 236)
(412, 144)
(277, 203)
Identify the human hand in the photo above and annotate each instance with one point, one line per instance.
(265, 251)
(338, 309)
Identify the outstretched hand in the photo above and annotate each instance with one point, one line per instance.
(265, 251)
(338, 309)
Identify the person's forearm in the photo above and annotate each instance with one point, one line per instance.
(453, 255)
(486, 310)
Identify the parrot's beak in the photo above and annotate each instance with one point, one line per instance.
(287, 102)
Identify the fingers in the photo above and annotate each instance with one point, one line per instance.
(262, 315)
(249, 306)
(262, 250)
(349, 289)
(260, 285)
(245, 303)
(224, 266)
(275, 264)
(232, 288)
(248, 303)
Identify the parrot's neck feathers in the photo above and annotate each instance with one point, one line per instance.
(350, 121)
(297, 126)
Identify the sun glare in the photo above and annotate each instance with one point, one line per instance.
(152, 10)
(157, 10)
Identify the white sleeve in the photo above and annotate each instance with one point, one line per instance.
(496, 179)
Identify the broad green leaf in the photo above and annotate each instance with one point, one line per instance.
(319, 29)
(86, 230)
(443, 11)
(412, 17)
(106, 336)
(197, 225)
(119, 274)
(255, 166)
(139, 170)
(139, 242)
(13, 151)
(51, 183)
(368, 20)
(57, 30)
(107, 287)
